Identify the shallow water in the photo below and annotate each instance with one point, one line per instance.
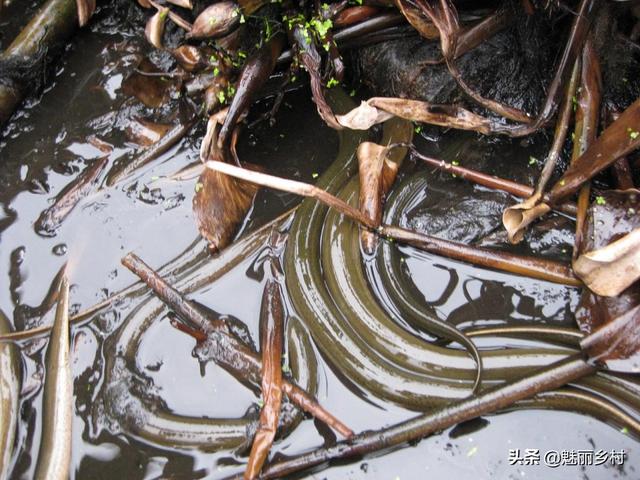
(46, 146)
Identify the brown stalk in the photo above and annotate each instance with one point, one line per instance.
(521, 265)
(478, 33)
(620, 335)
(445, 17)
(619, 139)
(227, 351)
(489, 401)
(621, 169)
(489, 181)
(577, 36)
(518, 217)
(562, 126)
(271, 340)
(586, 128)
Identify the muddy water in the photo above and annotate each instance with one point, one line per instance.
(46, 147)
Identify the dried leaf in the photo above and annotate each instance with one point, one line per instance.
(619, 139)
(216, 20)
(85, 10)
(219, 205)
(610, 270)
(378, 109)
(155, 27)
(209, 146)
(371, 160)
(144, 132)
(610, 218)
(152, 90)
(271, 343)
(378, 167)
(518, 217)
(363, 117)
(182, 3)
(612, 253)
(417, 20)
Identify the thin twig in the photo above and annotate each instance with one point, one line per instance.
(521, 265)
(233, 355)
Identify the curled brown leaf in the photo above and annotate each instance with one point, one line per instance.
(190, 58)
(216, 20)
(271, 343)
(155, 27)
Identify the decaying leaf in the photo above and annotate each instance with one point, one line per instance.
(144, 132)
(518, 217)
(611, 269)
(378, 167)
(271, 344)
(417, 20)
(371, 161)
(216, 20)
(182, 3)
(155, 27)
(611, 259)
(611, 217)
(379, 109)
(190, 58)
(209, 146)
(219, 205)
(363, 117)
(152, 90)
(85, 10)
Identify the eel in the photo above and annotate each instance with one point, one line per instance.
(125, 404)
(367, 345)
(54, 456)
(10, 375)
(327, 286)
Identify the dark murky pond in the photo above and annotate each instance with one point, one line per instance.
(46, 146)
